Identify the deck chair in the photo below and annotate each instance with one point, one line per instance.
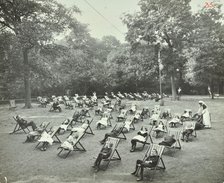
(159, 150)
(18, 127)
(133, 109)
(189, 125)
(145, 112)
(122, 115)
(121, 134)
(129, 124)
(85, 126)
(114, 156)
(68, 104)
(85, 112)
(35, 135)
(176, 144)
(55, 107)
(104, 121)
(175, 121)
(160, 128)
(147, 140)
(66, 125)
(12, 104)
(99, 110)
(187, 115)
(71, 145)
(50, 136)
(138, 116)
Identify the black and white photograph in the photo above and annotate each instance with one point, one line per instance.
(111, 91)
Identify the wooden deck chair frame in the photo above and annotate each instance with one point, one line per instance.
(160, 150)
(18, 128)
(165, 126)
(175, 145)
(88, 130)
(108, 119)
(119, 119)
(114, 154)
(53, 136)
(132, 126)
(194, 133)
(147, 137)
(36, 137)
(69, 124)
(141, 116)
(121, 134)
(76, 147)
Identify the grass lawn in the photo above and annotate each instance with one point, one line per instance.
(200, 160)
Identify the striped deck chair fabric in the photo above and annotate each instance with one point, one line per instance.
(114, 154)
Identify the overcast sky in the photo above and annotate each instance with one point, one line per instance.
(112, 10)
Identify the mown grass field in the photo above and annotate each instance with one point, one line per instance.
(200, 160)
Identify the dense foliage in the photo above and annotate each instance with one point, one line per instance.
(46, 50)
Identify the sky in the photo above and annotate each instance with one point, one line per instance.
(112, 11)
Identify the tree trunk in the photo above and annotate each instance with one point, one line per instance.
(26, 79)
(173, 87)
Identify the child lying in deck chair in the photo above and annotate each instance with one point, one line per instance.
(188, 130)
(187, 115)
(140, 137)
(37, 133)
(133, 108)
(175, 120)
(160, 128)
(150, 161)
(104, 154)
(70, 141)
(104, 121)
(55, 106)
(168, 141)
(114, 133)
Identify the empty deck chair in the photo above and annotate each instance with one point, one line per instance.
(122, 115)
(188, 130)
(48, 138)
(112, 154)
(85, 128)
(72, 143)
(153, 151)
(143, 137)
(174, 143)
(104, 121)
(22, 125)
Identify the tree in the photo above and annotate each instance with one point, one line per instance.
(34, 23)
(165, 22)
(209, 43)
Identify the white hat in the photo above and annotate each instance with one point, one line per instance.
(201, 102)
